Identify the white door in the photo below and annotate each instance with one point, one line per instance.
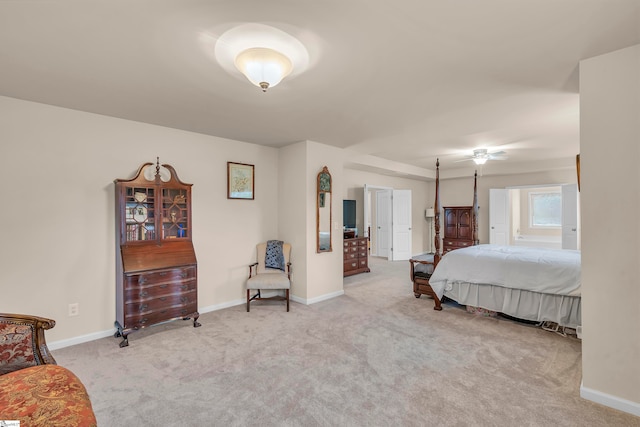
(570, 216)
(367, 212)
(499, 216)
(401, 247)
(383, 223)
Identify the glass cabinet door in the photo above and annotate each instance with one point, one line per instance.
(139, 214)
(175, 215)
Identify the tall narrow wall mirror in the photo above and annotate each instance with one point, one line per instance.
(323, 218)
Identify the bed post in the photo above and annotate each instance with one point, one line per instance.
(475, 209)
(436, 219)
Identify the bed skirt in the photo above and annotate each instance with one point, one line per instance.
(527, 305)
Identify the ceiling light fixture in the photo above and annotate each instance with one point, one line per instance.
(480, 156)
(480, 160)
(263, 67)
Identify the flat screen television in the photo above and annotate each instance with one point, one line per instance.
(349, 213)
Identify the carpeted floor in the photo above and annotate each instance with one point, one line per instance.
(376, 356)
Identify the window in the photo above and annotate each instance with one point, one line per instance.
(545, 209)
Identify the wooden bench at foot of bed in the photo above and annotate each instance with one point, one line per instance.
(420, 272)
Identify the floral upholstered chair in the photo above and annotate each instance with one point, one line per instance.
(22, 342)
(33, 388)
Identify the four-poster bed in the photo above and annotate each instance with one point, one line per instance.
(541, 285)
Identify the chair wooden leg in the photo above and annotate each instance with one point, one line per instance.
(287, 300)
(248, 300)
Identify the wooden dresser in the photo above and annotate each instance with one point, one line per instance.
(156, 267)
(458, 228)
(356, 256)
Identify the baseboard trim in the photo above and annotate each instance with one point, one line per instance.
(222, 306)
(614, 402)
(317, 299)
(56, 345)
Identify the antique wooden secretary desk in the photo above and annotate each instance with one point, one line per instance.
(156, 267)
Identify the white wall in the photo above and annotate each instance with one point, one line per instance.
(292, 218)
(610, 193)
(57, 214)
(316, 276)
(325, 270)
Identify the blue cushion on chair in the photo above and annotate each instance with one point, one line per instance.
(274, 258)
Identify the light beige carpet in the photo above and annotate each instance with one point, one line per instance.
(376, 356)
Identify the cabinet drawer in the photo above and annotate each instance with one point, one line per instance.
(362, 253)
(458, 243)
(157, 277)
(350, 265)
(362, 242)
(161, 303)
(350, 256)
(146, 293)
(362, 263)
(141, 320)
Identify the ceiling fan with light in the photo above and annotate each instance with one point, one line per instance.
(481, 155)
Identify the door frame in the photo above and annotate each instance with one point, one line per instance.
(368, 189)
(561, 185)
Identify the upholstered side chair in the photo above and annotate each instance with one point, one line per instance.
(264, 278)
(22, 342)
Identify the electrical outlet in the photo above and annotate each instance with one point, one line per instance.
(74, 309)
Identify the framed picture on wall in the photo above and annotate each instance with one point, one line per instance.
(240, 181)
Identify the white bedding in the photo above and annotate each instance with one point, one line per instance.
(550, 271)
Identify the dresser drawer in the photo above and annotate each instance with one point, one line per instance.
(145, 293)
(351, 265)
(350, 256)
(349, 243)
(161, 303)
(140, 320)
(157, 277)
(458, 243)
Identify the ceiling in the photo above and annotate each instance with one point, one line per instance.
(406, 81)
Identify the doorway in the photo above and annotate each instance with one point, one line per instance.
(387, 222)
(535, 216)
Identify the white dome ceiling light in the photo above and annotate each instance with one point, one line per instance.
(263, 54)
(263, 67)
